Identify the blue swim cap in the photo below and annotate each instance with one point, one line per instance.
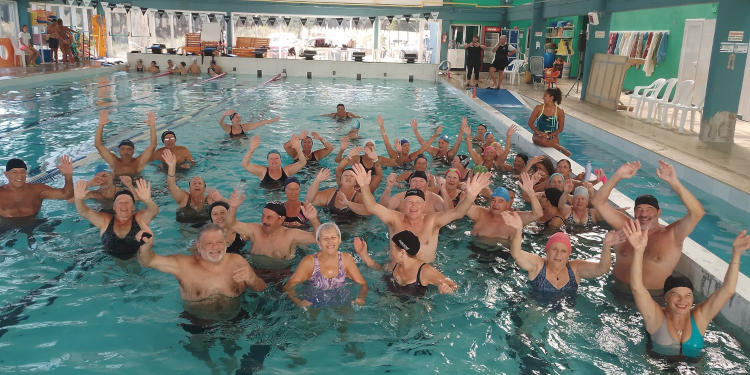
(404, 140)
(486, 134)
(501, 192)
(290, 180)
(446, 138)
(355, 125)
(101, 168)
(556, 174)
(274, 151)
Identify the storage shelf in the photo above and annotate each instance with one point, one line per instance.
(559, 37)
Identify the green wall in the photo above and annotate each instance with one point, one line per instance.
(672, 19)
(573, 59)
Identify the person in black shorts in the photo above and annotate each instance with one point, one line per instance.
(473, 60)
(502, 50)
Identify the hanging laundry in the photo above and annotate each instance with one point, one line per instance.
(648, 68)
(634, 48)
(612, 43)
(620, 38)
(648, 45)
(662, 51)
(639, 46)
(626, 44)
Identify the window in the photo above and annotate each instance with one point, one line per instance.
(163, 29)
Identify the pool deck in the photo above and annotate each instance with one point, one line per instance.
(49, 68)
(729, 164)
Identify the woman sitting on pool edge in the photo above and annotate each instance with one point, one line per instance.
(405, 266)
(556, 274)
(327, 271)
(678, 328)
(273, 176)
(547, 121)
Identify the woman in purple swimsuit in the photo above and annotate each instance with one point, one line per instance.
(326, 271)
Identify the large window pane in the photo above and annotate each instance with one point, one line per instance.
(140, 34)
(181, 27)
(78, 19)
(119, 30)
(163, 29)
(197, 23)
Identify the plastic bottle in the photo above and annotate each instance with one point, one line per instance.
(241, 186)
(587, 174)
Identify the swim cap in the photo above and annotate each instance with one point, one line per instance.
(523, 156)
(485, 126)
(355, 125)
(407, 241)
(231, 117)
(15, 163)
(647, 199)
(418, 174)
(214, 205)
(560, 237)
(101, 168)
(454, 170)
(124, 192)
(127, 142)
(580, 190)
(276, 207)
(501, 192)
(488, 148)
(446, 138)
(480, 169)
(556, 174)
(676, 281)
(369, 141)
(288, 181)
(165, 134)
(420, 156)
(404, 141)
(486, 134)
(274, 151)
(416, 192)
(553, 195)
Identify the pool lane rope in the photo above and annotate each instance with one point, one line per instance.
(172, 124)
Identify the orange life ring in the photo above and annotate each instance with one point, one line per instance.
(9, 59)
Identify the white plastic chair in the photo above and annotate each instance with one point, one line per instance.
(641, 91)
(17, 52)
(653, 92)
(682, 96)
(513, 71)
(698, 97)
(653, 102)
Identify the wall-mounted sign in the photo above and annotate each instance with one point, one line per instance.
(538, 33)
(740, 48)
(735, 36)
(726, 47)
(599, 34)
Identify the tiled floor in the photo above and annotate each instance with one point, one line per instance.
(727, 163)
(18, 72)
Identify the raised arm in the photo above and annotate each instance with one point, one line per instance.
(98, 219)
(248, 126)
(363, 177)
(311, 213)
(145, 157)
(416, 132)
(143, 193)
(342, 147)
(179, 195)
(457, 144)
(474, 155)
(147, 257)
(391, 152)
(313, 190)
(258, 170)
(651, 311)
(385, 196)
(531, 263)
(360, 247)
(300, 163)
(475, 184)
(590, 269)
(227, 128)
(612, 216)
(709, 308)
(527, 186)
(104, 152)
(327, 146)
(66, 192)
(427, 144)
(562, 203)
(684, 226)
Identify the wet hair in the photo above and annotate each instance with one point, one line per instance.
(523, 156)
(548, 165)
(340, 105)
(563, 161)
(553, 195)
(326, 226)
(555, 93)
(182, 63)
(210, 227)
(24, 25)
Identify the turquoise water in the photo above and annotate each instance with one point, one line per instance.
(716, 230)
(68, 308)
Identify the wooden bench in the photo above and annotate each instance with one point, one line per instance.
(192, 43)
(246, 46)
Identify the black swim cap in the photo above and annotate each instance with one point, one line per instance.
(127, 142)
(553, 195)
(276, 207)
(523, 156)
(125, 192)
(15, 163)
(214, 205)
(290, 180)
(418, 174)
(165, 134)
(407, 241)
(676, 281)
(647, 199)
(416, 192)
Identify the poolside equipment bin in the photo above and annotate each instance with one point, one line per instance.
(309, 54)
(358, 55)
(410, 57)
(158, 48)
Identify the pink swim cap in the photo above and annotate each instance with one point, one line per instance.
(560, 237)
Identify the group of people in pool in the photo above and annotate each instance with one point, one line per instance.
(182, 69)
(217, 271)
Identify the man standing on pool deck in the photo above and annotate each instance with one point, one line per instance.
(211, 279)
(19, 199)
(126, 164)
(181, 153)
(269, 237)
(664, 246)
(425, 226)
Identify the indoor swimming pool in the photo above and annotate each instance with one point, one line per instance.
(69, 308)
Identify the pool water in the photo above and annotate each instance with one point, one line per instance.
(69, 308)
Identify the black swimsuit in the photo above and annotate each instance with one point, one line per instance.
(240, 134)
(237, 245)
(122, 248)
(189, 214)
(333, 210)
(270, 183)
(415, 289)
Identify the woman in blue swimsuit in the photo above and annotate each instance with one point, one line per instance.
(547, 121)
(678, 328)
(556, 273)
